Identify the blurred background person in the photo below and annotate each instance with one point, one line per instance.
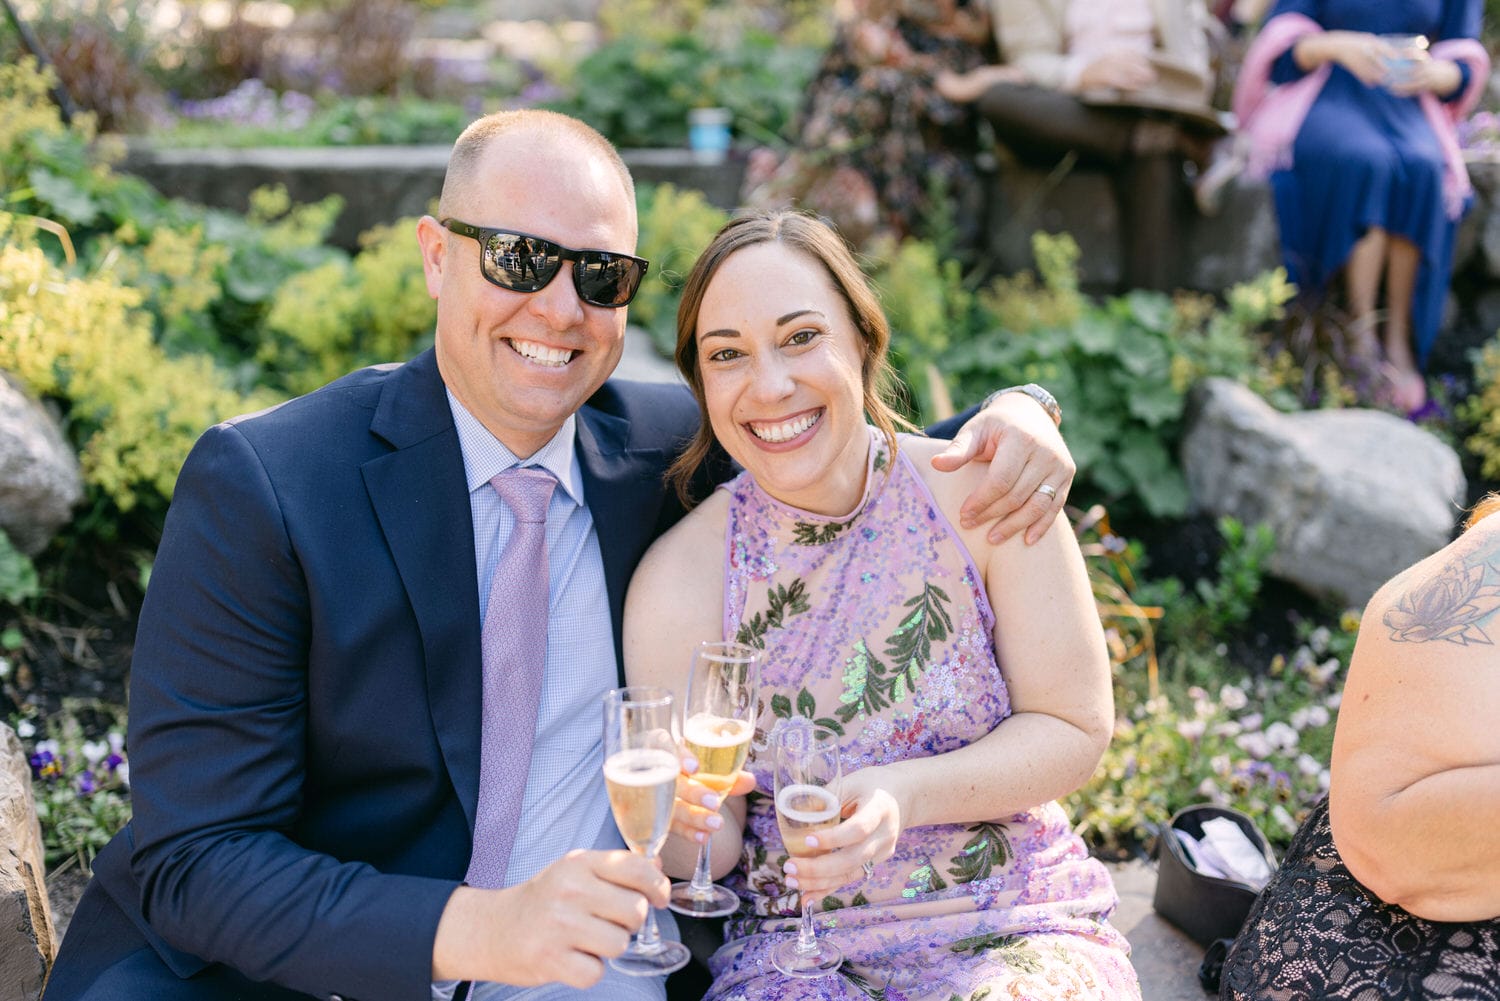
(1351, 107)
(1120, 83)
(876, 141)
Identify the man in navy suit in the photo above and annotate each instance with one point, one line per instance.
(305, 714)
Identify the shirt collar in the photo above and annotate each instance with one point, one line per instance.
(485, 455)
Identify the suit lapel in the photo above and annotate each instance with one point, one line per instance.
(419, 492)
(624, 492)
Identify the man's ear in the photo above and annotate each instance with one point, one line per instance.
(432, 238)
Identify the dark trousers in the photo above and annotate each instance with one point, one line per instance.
(1041, 126)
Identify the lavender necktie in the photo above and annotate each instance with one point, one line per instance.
(514, 650)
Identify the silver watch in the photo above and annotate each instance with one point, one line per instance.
(1044, 399)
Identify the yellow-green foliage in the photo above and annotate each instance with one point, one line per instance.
(342, 314)
(25, 111)
(1024, 303)
(85, 340)
(923, 296)
(174, 271)
(1483, 411)
(675, 225)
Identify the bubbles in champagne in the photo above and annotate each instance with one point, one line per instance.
(642, 784)
(720, 743)
(802, 810)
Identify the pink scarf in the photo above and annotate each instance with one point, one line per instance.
(1271, 116)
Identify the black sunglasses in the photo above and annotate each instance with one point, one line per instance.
(524, 263)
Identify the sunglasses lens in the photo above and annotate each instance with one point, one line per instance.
(607, 279)
(520, 263)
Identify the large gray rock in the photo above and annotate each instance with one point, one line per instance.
(1353, 495)
(39, 478)
(26, 940)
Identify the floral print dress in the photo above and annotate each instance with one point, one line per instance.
(877, 625)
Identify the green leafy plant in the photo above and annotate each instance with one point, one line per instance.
(18, 580)
(1482, 411)
(1121, 367)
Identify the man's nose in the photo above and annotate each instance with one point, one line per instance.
(557, 302)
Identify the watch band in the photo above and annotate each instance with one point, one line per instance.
(1044, 399)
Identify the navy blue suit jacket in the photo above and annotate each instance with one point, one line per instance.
(305, 693)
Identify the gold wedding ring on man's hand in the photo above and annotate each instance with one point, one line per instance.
(1048, 489)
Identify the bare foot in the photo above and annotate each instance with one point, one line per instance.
(1408, 390)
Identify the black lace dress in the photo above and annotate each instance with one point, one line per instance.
(1316, 933)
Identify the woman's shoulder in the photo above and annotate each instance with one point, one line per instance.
(681, 548)
(1454, 594)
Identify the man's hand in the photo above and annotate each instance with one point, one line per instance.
(557, 927)
(1025, 451)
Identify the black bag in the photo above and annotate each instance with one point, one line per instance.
(1207, 908)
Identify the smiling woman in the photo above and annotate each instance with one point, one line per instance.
(963, 701)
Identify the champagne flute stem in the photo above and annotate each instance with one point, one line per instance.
(648, 939)
(807, 935)
(702, 882)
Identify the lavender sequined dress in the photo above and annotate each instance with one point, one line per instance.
(878, 624)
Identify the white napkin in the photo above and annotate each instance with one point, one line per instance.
(1226, 852)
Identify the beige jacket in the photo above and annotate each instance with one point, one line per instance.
(1032, 34)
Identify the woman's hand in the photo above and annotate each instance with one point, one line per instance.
(1366, 56)
(961, 88)
(1428, 76)
(695, 814)
(868, 834)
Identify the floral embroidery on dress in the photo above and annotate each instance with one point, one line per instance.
(884, 634)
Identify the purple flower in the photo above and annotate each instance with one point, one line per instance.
(86, 784)
(113, 762)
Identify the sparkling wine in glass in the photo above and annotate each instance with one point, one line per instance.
(640, 772)
(718, 722)
(808, 770)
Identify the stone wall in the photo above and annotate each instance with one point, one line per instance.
(27, 943)
(379, 184)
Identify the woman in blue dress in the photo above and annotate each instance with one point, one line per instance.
(1356, 130)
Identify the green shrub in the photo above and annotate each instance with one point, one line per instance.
(344, 314)
(637, 90)
(675, 226)
(132, 410)
(1121, 367)
(1482, 411)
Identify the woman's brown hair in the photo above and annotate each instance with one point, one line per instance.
(823, 244)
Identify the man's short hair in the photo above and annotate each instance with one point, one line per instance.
(468, 151)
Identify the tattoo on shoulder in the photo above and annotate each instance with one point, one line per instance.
(1458, 603)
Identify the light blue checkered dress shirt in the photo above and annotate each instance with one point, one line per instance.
(566, 805)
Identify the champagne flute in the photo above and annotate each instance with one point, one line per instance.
(718, 722)
(640, 772)
(808, 771)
